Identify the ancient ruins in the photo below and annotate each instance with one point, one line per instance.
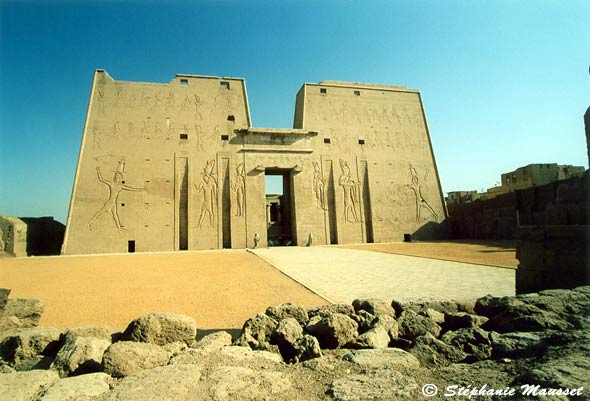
(179, 166)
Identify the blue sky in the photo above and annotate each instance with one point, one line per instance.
(504, 83)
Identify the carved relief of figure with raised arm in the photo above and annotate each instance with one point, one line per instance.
(208, 186)
(116, 185)
(416, 187)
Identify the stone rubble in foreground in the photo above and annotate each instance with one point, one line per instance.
(531, 346)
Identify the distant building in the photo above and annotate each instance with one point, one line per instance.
(461, 197)
(534, 175)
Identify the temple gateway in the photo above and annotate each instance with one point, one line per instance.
(179, 166)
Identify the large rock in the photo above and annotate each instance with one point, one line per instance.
(257, 331)
(412, 325)
(373, 338)
(326, 310)
(518, 345)
(306, 348)
(284, 311)
(390, 325)
(214, 341)
(374, 306)
(235, 383)
(385, 385)
(87, 331)
(30, 348)
(25, 386)
(525, 317)
(432, 352)
(21, 313)
(127, 357)
(80, 355)
(462, 320)
(247, 356)
(388, 358)
(78, 388)
(285, 337)
(162, 328)
(474, 341)
(334, 330)
(489, 306)
(4, 293)
(167, 383)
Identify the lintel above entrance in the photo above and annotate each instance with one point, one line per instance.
(278, 131)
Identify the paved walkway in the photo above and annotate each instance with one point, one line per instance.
(341, 275)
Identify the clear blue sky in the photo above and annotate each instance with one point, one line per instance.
(504, 83)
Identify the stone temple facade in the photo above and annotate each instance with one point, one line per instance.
(178, 166)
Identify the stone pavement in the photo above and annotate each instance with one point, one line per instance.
(341, 275)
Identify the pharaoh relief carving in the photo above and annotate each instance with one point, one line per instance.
(208, 188)
(115, 186)
(239, 189)
(351, 189)
(416, 188)
(199, 135)
(319, 187)
(101, 100)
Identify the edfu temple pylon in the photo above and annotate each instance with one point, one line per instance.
(178, 166)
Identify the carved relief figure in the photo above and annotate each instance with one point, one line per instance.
(157, 131)
(101, 100)
(239, 187)
(199, 135)
(116, 129)
(351, 189)
(416, 187)
(115, 187)
(198, 108)
(319, 187)
(96, 138)
(208, 186)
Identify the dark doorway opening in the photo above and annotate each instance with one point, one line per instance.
(183, 204)
(280, 218)
(131, 246)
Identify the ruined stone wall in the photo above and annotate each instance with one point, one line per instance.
(30, 236)
(558, 203)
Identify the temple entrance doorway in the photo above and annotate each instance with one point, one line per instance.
(279, 207)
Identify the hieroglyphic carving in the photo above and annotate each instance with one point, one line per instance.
(116, 185)
(96, 137)
(170, 101)
(351, 188)
(198, 107)
(101, 100)
(199, 135)
(239, 188)
(116, 129)
(157, 131)
(130, 130)
(416, 187)
(319, 187)
(118, 92)
(208, 186)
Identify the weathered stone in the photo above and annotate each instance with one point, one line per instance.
(325, 310)
(373, 338)
(285, 336)
(386, 358)
(489, 306)
(374, 306)
(27, 312)
(173, 382)
(333, 331)
(87, 331)
(4, 293)
(162, 328)
(462, 320)
(176, 348)
(432, 352)
(412, 325)
(257, 330)
(305, 348)
(517, 345)
(390, 325)
(27, 348)
(234, 383)
(25, 386)
(436, 316)
(525, 318)
(214, 341)
(386, 385)
(364, 320)
(127, 357)
(283, 311)
(80, 355)
(78, 388)
(474, 341)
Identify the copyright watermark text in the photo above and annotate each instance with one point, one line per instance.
(469, 391)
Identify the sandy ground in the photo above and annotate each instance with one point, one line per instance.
(491, 253)
(219, 289)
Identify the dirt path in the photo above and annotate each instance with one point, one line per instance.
(219, 289)
(491, 253)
